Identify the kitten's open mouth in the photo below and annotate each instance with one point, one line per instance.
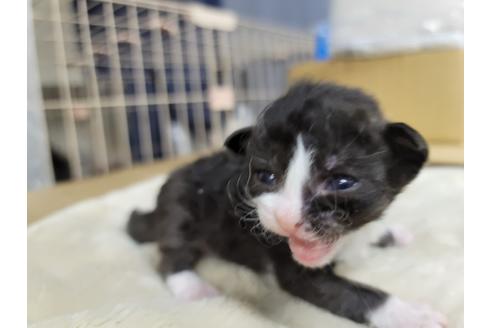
(310, 253)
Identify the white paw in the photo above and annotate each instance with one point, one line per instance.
(401, 236)
(188, 286)
(398, 314)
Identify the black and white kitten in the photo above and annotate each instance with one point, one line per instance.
(320, 162)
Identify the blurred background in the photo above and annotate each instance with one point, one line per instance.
(115, 84)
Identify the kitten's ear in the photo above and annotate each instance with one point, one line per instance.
(238, 140)
(408, 153)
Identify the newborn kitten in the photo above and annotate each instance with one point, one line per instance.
(320, 162)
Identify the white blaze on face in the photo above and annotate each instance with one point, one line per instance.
(281, 211)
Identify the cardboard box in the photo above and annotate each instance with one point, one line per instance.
(423, 89)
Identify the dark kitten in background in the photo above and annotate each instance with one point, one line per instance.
(320, 162)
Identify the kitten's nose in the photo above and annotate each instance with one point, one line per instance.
(287, 219)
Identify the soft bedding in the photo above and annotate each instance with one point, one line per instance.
(84, 271)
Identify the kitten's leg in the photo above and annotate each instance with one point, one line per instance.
(354, 301)
(394, 236)
(181, 238)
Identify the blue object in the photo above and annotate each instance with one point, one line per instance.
(322, 44)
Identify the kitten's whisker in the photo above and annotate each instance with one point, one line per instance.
(371, 155)
(353, 140)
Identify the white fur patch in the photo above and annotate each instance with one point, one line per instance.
(298, 171)
(187, 285)
(287, 202)
(398, 314)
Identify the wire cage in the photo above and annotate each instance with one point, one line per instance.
(126, 82)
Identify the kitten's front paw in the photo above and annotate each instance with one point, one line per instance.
(402, 236)
(395, 236)
(188, 286)
(395, 313)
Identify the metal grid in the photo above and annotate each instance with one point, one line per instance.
(128, 81)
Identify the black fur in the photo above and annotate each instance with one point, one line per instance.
(204, 207)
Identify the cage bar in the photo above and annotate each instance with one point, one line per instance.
(62, 74)
(97, 129)
(146, 70)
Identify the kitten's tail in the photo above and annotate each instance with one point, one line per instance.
(141, 227)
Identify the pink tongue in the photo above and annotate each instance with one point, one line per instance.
(308, 252)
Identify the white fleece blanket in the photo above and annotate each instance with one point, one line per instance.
(83, 270)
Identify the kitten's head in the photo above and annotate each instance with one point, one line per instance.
(322, 162)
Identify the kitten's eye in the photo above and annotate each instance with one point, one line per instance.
(266, 177)
(342, 182)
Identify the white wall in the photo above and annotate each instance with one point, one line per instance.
(365, 25)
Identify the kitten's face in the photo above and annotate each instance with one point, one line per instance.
(323, 162)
